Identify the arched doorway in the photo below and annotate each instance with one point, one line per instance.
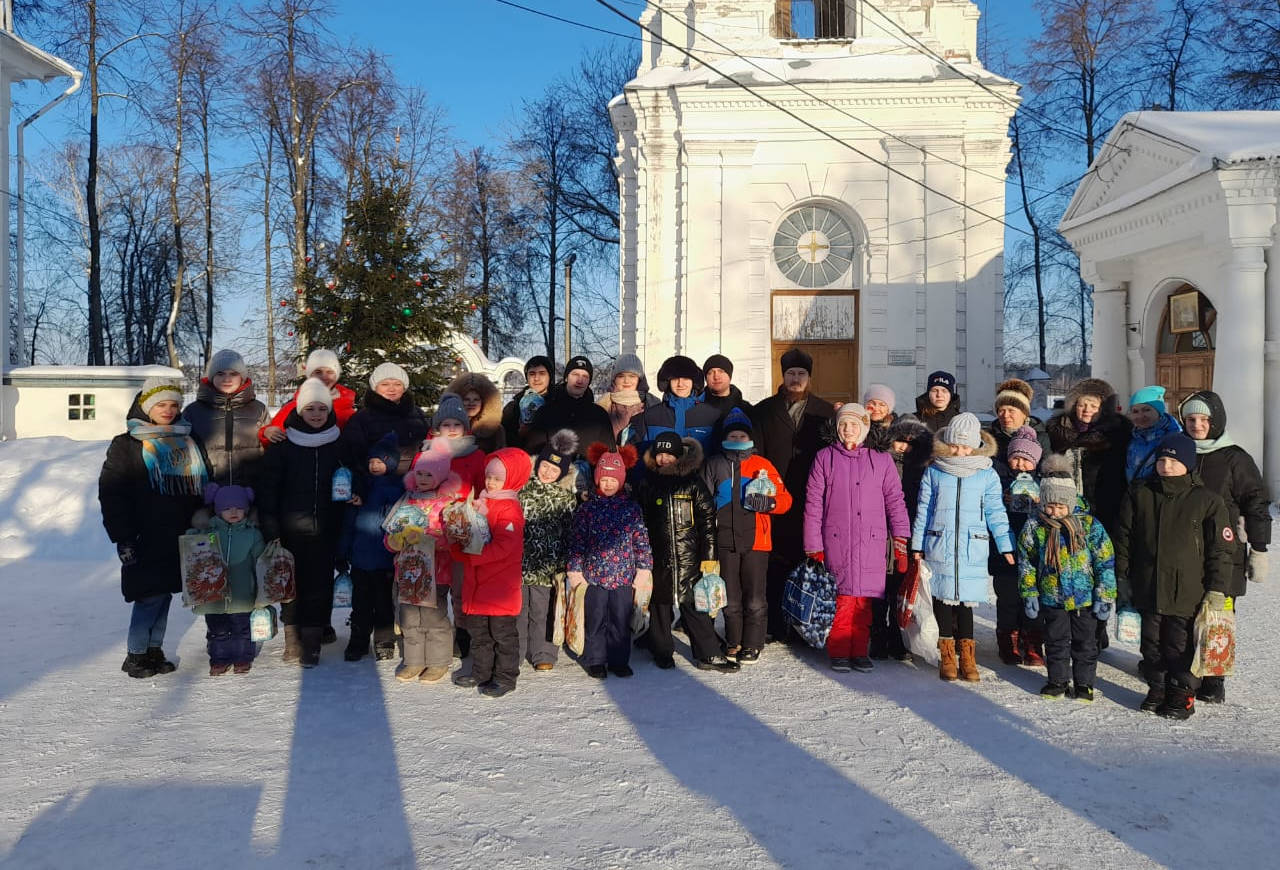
(1184, 355)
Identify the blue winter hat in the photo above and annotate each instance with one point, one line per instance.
(387, 449)
(736, 420)
(1153, 396)
(450, 408)
(1180, 447)
(942, 379)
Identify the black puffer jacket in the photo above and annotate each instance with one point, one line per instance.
(376, 417)
(878, 437)
(725, 404)
(296, 499)
(134, 513)
(228, 426)
(582, 415)
(912, 464)
(1173, 544)
(931, 417)
(1231, 472)
(1097, 455)
(791, 449)
(681, 519)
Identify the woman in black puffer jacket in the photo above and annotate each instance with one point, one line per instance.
(387, 407)
(681, 518)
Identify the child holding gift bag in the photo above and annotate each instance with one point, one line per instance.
(240, 542)
(608, 552)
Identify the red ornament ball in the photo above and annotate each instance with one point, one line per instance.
(290, 332)
(309, 311)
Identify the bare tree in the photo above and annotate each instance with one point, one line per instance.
(1247, 33)
(1178, 54)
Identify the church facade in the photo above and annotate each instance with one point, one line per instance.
(848, 204)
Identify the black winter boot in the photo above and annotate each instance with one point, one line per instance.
(310, 640)
(159, 662)
(1213, 690)
(357, 645)
(138, 666)
(1154, 700)
(1179, 703)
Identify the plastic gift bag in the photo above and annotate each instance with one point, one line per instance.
(710, 595)
(921, 633)
(465, 526)
(205, 579)
(262, 624)
(1128, 626)
(809, 601)
(277, 582)
(341, 489)
(416, 573)
(530, 402)
(1215, 638)
(557, 628)
(342, 591)
(575, 618)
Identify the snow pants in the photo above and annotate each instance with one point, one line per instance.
(226, 637)
(495, 648)
(372, 602)
(427, 633)
(607, 619)
(886, 636)
(703, 639)
(746, 612)
(954, 620)
(1070, 645)
(313, 559)
(147, 622)
(1168, 647)
(850, 636)
(535, 624)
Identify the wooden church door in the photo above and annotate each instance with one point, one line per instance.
(822, 323)
(1184, 360)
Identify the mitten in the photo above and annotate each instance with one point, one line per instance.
(900, 555)
(1101, 608)
(1256, 570)
(1215, 601)
(128, 554)
(1031, 607)
(576, 579)
(711, 566)
(819, 556)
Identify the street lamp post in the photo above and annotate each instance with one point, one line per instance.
(568, 305)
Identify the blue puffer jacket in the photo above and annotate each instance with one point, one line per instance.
(955, 523)
(689, 418)
(1140, 459)
(362, 532)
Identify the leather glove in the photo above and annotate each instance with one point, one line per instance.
(760, 503)
(128, 554)
(1031, 607)
(900, 555)
(819, 556)
(1101, 608)
(1215, 601)
(576, 579)
(1256, 569)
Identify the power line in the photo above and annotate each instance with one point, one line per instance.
(893, 170)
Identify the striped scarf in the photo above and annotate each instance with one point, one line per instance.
(1053, 538)
(174, 463)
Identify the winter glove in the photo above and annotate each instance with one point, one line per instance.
(1256, 569)
(128, 554)
(759, 502)
(1008, 557)
(576, 579)
(900, 555)
(711, 566)
(1101, 608)
(819, 556)
(1215, 601)
(1031, 607)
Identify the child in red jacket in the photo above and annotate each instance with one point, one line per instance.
(491, 593)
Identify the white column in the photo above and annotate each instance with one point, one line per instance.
(1110, 344)
(1271, 380)
(904, 276)
(702, 280)
(1239, 354)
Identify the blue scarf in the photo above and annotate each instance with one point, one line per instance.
(172, 457)
(1140, 460)
(738, 446)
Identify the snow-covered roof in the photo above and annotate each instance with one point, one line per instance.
(798, 70)
(1227, 137)
(22, 60)
(105, 375)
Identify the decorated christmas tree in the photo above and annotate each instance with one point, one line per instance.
(378, 295)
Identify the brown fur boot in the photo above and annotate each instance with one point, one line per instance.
(968, 661)
(292, 645)
(947, 666)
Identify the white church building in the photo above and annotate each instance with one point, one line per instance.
(1176, 229)
(873, 241)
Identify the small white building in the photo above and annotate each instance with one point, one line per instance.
(745, 231)
(84, 403)
(1176, 230)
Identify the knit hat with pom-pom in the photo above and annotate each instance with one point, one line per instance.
(560, 450)
(1025, 445)
(1057, 485)
(1015, 392)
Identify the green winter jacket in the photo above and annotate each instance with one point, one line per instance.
(241, 545)
(548, 519)
(1173, 544)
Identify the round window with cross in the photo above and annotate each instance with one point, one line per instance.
(814, 246)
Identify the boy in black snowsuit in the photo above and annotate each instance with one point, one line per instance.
(1173, 556)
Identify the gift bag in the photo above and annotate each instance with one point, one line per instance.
(342, 590)
(809, 601)
(575, 618)
(906, 603)
(530, 402)
(1215, 638)
(262, 624)
(465, 526)
(710, 595)
(276, 578)
(416, 573)
(205, 579)
(557, 627)
(1128, 626)
(341, 488)
(921, 633)
(642, 593)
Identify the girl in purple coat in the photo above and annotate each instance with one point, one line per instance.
(853, 507)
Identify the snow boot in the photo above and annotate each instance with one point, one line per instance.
(466, 681)
(384, 643)
(719, 664)
(861, 664)
(1053, 691)
(138, 666)
(310, 639)
(357, 645)
(1032, 648)
(433, 675)
(968, 660)
(1213, 690)
(492, 689)
(947, 664)
(1179, 703)
(747, 656)
(242, 667)
(1154, 700)
(1007, 642)
(328, 635)
(1083, 694)
(219, 670)
(841, 666)
(622, 671)
(292, 646)
(409, 673)
(159, 662)
(664, 663)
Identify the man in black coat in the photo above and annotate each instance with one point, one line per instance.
(720, 393)
(788, 433)
(570, 405)
(537, 376)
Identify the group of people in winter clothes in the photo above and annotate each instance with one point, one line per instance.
(626, 506)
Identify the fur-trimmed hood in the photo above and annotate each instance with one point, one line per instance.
(489, 422)
(1090, 387)
(942, 449)
(686, 465)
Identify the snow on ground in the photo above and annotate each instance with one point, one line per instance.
(786, 764)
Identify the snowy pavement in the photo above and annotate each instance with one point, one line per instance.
(786, 764)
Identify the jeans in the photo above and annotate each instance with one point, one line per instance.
(148, 622)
